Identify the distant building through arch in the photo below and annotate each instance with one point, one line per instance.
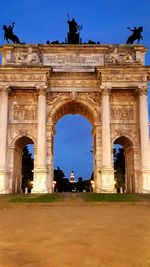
(101, 82)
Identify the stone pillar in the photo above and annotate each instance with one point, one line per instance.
(3, 139)
(107, 171)
(97, 157)
(49, 159)
(144, 138)
(40, 172)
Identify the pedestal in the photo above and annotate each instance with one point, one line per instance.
(107, 181)
(40, 181)
(3, 182)
(146, 181)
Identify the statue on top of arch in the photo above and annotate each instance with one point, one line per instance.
(136, 35)
(9, 34)
(74, 29)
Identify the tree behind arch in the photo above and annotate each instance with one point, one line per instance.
(27, 169)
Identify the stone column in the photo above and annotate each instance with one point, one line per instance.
(3, 139)
(97, 157)
(40, 172)
(107, 171)
(50, 155)
(144, 138)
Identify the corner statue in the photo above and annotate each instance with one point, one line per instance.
(136, 35)
(73, 34)
(9, 35)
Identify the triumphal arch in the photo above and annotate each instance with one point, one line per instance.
(107, 84)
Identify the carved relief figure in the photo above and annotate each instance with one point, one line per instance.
(114, 57)
(122, 113)
(128, 57)
(29, 58)
(24, 112)
(20, 57)
(32, 57)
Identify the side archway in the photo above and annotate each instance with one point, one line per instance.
(127, 145)
(19, 145)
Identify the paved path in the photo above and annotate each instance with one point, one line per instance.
(74, 234)
(74, 198)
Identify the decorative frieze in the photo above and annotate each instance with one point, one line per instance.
(74, 83)
(23, 96)
(22, 77)
(123, 76)
(122, 98)
(78, 80)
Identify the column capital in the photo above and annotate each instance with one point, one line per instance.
(142, 90)
(105, 90)
(41, 89)
(51, 128)
(5, 89)
(96, 127)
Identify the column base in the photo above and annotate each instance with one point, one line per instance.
(3, 182)
(107, 181)
(39, 181)
(145, 181)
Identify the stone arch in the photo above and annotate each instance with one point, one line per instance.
(128, 145)
(127, 137)
(19, 142)
(68, 106)
(20, 136)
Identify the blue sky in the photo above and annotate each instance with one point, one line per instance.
(104, 21)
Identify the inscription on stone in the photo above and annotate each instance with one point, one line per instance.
(73, 59)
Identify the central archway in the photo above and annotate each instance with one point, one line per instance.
(73, 143)
(83, 108)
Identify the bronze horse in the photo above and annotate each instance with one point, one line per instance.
(9, 35)
(136, 35)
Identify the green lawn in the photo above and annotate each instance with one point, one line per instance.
(36, 198)
(117, 197)
(89, 197)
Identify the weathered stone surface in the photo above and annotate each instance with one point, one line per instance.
(105, 83)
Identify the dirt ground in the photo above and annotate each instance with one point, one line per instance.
(74, 234)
